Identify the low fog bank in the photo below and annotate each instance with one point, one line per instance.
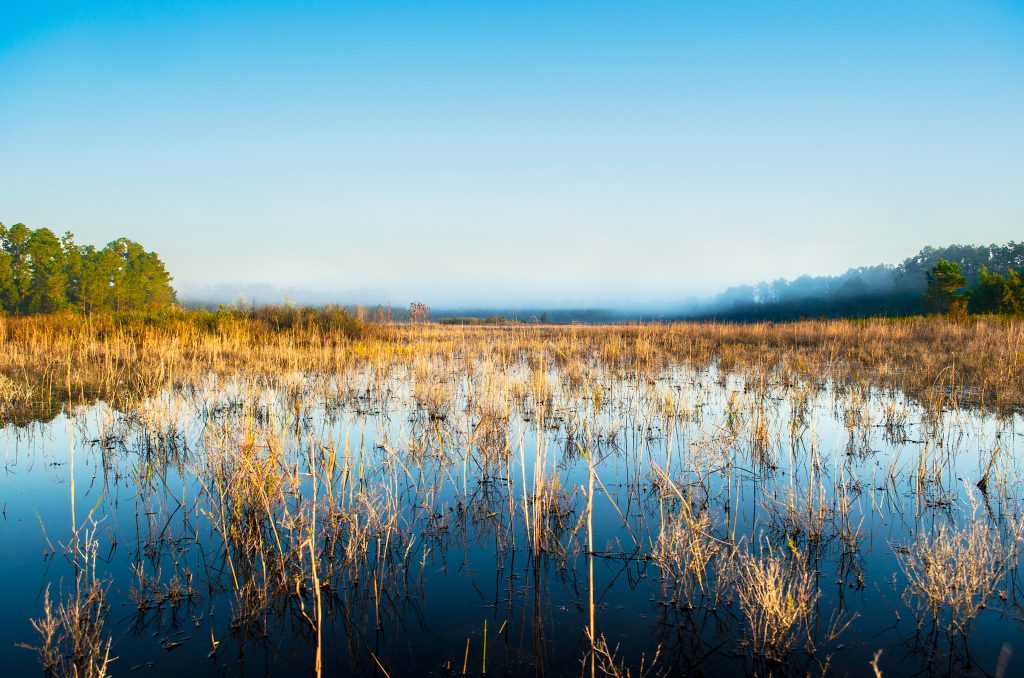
(369, 302)
(243, 294)
(879, 290)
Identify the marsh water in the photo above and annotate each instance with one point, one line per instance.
(442, 515)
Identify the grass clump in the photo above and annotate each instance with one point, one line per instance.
(684, 549)
(957, 571)
(72, 640)
(777, 596)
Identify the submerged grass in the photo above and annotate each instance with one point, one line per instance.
(954, 572)
(777, 595)
(73, 641)
(329, 470)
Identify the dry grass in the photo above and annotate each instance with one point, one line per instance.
(777, 595)
(72, 640)
(957, 571)
(123, 358)
(610, 662)
(466, 434)
(684, 550)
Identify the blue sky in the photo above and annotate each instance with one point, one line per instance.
(485, 152)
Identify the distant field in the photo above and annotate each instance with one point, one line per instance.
(977, 362)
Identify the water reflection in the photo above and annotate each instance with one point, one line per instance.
(435, 521)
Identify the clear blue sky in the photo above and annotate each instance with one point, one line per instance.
(466, 152)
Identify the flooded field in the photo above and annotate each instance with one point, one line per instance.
(669, 500)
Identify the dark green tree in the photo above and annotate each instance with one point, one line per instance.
(944, 281)
(72, 269)
(1013, 296)
(141, 281)
(40, 273)
(8, 298)
(47, 289)
(96, 286)
(15, 243)
(998, 294)
(987, 295)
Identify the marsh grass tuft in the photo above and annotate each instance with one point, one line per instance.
(777, 595)
(684, 550)
(72, 639)
(957, 571)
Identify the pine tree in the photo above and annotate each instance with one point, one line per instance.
(944, 280)
(47, 290)
(8, 300)
(15, 243)
(1013, 295)
(986, 296)
(40, 273)
(996, 294)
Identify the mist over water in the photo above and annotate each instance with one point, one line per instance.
(879, 290)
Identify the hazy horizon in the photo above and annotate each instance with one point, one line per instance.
(533, 153)
(632, 306)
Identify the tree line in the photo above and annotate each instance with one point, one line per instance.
(994, 293)
(41, 273)
(882, 290)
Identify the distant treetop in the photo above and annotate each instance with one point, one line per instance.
(41, 273)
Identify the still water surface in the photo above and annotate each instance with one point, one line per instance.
(437, 494)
